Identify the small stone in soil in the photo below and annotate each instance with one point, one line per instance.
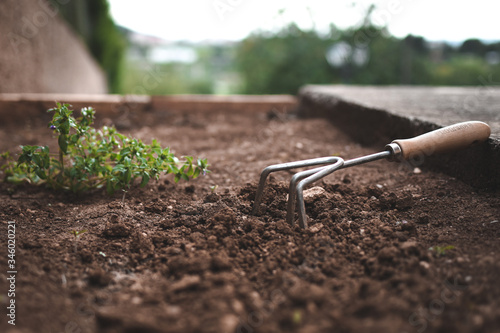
(424, 265)
(315, 228)
(229, 323)
(187, 282)
(118, 230)
(409, 247)
(314, 193)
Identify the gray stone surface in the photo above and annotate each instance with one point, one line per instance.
(375, 116)
(440, 105)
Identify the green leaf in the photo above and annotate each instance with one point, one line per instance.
(46, 161)
(196, 173)
(125, 151)
(128, 176)
(157, 151)
(109, 187)
(40, 173)
(73, 173)
(37, 160)
(119, 168)
(145, 180)
(171, 168)
(63, 143)
(22, 159)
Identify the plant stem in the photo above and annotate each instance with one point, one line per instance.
(61, 160)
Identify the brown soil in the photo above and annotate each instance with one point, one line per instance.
(179, 258)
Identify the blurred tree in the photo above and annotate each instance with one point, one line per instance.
(417, 44)
(163, 79)
(384, 64)
(493, 47)
(473, 47)
(460, 71)
(282, 62)
(92, 21)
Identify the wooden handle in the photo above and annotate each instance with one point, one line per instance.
(446, 139)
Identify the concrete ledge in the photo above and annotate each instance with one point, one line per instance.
(15, 108)
(375, 116)
(237, 103)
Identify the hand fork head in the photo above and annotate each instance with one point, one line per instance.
(301, 179)
(297, 183)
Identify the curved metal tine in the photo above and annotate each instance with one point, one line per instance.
(325, 171)
(285, 166)
(290, 212)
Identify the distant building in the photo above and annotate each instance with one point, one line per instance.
(156, 50)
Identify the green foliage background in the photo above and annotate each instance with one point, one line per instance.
(285, 61)
(281, 61)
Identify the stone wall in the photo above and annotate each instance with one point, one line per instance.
(39, 53)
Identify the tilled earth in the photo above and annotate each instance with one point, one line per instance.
(389, 248)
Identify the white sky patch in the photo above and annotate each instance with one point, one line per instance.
(199, 20)
(173, 54)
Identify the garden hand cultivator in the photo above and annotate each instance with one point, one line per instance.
(446, 139)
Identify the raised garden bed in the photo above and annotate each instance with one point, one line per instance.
(190, 258)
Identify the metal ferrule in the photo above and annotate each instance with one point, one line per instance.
(395, 150)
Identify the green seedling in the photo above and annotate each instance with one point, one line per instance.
(90, 158)
(77, 234)
(214, 188)
(441, 250)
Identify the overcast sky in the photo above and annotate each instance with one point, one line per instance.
(198, 20)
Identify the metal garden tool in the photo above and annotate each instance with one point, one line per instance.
(446, 139)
